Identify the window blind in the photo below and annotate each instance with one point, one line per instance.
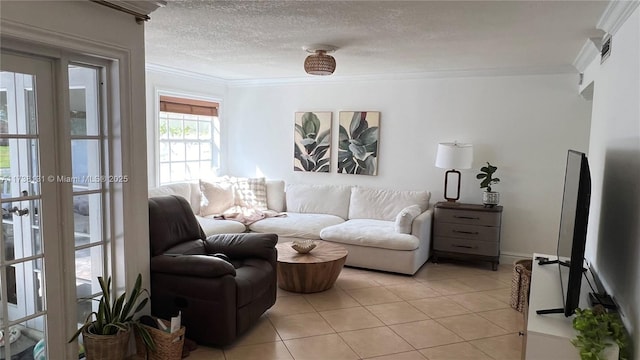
(188, 106)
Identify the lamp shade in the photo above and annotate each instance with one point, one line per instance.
(454, 156)
(320, 63)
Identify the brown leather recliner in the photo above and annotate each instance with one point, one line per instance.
(219, 300)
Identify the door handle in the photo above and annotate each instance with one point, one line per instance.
(19, 212)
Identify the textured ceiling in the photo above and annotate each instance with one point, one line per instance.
(264, 39)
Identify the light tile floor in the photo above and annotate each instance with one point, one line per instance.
(446, 311)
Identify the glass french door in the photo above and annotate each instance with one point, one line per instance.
(29, 243)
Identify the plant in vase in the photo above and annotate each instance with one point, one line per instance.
(489, 198)
(106, 332)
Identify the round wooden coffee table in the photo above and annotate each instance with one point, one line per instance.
(312, 272)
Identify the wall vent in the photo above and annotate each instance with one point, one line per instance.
(606, 48)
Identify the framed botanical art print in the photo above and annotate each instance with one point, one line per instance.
(312, 141)
(358, 142)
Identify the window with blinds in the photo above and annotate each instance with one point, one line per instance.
(188, 139)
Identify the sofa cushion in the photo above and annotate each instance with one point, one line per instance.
(213, 226)
(405, 217)
(180, 189)
(188, 190)
(371, 233)
(306, 226)
(275, 195)
(381, 204)
(250, 192)
(318, 199)
(216, 197)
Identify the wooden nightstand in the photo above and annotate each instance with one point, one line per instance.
(467, 231)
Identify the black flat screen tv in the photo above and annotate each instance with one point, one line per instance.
(572, 236)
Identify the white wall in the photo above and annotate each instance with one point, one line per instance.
(522, 124)
(165, 81)
(614, 155)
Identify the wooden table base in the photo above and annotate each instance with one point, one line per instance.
(312, 272)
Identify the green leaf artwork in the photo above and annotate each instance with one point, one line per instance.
(358, 146)
(312, 142)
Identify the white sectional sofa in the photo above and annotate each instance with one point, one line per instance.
(382, 229)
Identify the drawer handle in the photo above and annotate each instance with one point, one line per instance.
(466, 217)
(464, 246)
(466, 232)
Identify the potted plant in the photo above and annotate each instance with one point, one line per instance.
(106, 332)
(597, 328)
(489, 198)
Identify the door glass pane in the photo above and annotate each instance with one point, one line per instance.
(87, 218)
(83, 100)
(18, 104)
(88, 268)
(26, 340)
(27, 288)
(21, 233)
(19, 168)
(85, 164)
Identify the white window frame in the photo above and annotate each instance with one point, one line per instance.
(217, 138)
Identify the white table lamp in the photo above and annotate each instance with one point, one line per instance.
(453, 156)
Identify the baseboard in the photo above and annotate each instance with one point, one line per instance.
(510, 258)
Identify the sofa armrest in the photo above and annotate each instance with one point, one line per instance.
(240, 246)
(421, 227)
(192, 265)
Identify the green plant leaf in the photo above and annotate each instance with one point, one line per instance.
(359, 152)
(369, 136)
(300, 131)
(310, 124)
(481, 176)
(324, 138)
(343, 138)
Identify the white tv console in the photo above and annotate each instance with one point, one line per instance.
(549, 336)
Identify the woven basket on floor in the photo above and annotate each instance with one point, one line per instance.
(106, 347)
(520, 284)
(168, 345)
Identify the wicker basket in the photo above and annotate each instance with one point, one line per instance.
(520, 284)
(168, 345)
(106, 347)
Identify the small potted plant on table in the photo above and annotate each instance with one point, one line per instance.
(489, 198)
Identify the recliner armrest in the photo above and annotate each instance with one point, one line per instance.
(192, 265)
(240, 246)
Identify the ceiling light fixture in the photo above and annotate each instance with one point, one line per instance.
(319, 63)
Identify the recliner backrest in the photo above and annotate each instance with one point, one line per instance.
(171, 222)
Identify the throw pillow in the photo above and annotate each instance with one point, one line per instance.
(405, 219)
(216, 197)
(251, 192)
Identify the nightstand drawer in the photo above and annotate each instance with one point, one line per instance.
(470, 232)
(469, 217)
(466, 246)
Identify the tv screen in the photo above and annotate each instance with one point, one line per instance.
(573, 228)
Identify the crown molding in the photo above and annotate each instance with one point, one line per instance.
(145, 7)
(185, 73)
(589, 51)
(616, 13)
(337, 79)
